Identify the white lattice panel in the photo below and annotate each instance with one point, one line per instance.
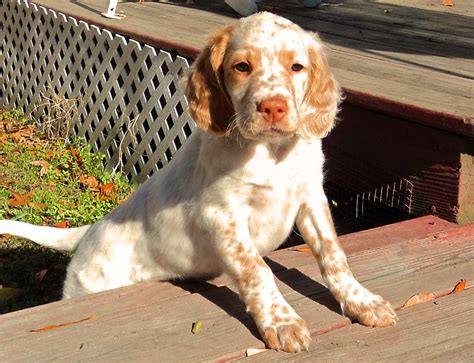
(119, 81)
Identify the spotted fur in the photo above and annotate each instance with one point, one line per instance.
(263, 96)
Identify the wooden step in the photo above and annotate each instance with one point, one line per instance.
(152, 321)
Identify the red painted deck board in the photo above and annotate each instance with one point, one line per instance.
(432, 331)
(152, 321)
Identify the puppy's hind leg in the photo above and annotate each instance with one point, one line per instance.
(83, 280)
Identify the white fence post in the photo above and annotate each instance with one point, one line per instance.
(111, 11)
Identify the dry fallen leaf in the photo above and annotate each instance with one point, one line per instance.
(62, 224)
(107, 189)
(302, 248)
(44, 166)
(51, 327)
(75, 155)
(19, 200)
(419, 298)
(89, 181)
(49, 153)
(20, 135)
(460, 286)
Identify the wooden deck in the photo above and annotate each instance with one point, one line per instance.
(407, 70)
(417, 54)
(153, 321)
(411, 59)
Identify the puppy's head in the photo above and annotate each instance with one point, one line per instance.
(265, 77)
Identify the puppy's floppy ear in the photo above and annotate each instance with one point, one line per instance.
(209, 103)
(323, 93)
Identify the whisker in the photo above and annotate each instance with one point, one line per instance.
(232, 124)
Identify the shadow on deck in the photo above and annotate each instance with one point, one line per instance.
(153, 321)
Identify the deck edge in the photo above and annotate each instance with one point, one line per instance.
(462, 125)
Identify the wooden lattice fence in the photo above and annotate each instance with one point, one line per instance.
(129, 99)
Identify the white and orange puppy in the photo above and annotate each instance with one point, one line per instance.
(263, 96)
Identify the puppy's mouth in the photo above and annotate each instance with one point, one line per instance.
(255, 127)
(274, 132)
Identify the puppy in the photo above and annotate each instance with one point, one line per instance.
(263, 96)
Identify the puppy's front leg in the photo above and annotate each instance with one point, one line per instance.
(315, 224)
(279, 325)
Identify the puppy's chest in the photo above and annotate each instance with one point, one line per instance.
(271, 214)
(268, 199)
(271, 207)
(269, 189)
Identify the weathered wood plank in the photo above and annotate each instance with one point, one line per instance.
(418, 15)
(375, 238)
(153, 20)
(437, 275)
(403, 70)
(388, 266)
(399, 21)
(133, 323)
(113, 301)
(403, 92)
(390, 47)
(438, 61)
(149, 333)
(426, 332)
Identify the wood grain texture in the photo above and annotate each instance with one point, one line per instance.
(440, 330)
(403, 51)
(153, 321)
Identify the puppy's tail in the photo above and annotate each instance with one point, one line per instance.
(64, 239)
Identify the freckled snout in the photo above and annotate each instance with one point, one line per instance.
(273, 109)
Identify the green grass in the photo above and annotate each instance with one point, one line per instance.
(47, 182)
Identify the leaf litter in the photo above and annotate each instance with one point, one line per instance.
(40, 183)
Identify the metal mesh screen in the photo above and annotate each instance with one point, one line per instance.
(130, 105)
(358, 189)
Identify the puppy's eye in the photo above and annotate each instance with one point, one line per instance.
(297, 67)
(242, 67)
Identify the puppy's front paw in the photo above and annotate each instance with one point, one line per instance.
(290, 336)
(369, 310)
